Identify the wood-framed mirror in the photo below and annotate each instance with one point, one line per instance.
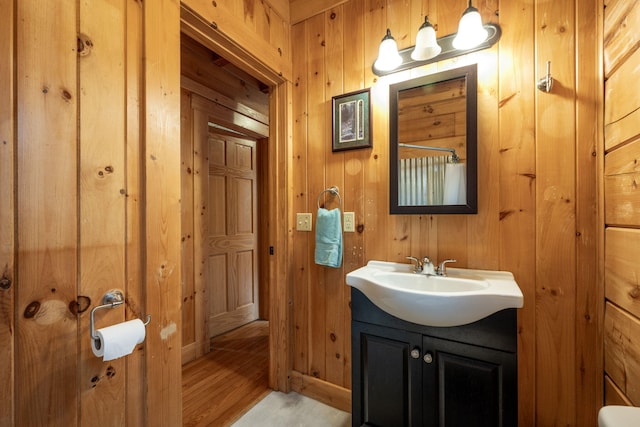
(433, 143)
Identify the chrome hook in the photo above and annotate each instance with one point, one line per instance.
(545, 83)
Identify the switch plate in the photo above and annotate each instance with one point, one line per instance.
(303, 222)
(349, 222)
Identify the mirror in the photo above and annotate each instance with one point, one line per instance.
(433, 143)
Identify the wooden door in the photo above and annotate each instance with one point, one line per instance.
(227, 195)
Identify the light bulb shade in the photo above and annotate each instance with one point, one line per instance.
(388, 56)
(470, 30)
(426, 43)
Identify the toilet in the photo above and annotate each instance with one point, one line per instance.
(619, 416)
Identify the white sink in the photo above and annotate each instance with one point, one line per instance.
(463, 296)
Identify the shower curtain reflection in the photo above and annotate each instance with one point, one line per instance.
(431, 181)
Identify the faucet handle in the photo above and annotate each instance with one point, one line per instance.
(442, 268)
(418, 266)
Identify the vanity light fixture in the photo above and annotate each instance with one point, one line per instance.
(427, 46)
(471, 36)
(470, 31)
(388, 57)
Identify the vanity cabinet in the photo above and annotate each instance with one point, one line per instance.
(406, 374)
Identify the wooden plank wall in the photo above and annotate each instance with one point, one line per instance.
(7, 213)
(90, 195)
(621, 203)
(260, 27)
(537, 188)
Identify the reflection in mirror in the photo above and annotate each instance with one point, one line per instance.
(433, 143)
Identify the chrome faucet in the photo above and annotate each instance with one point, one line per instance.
(426, 267)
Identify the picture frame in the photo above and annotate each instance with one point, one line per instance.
(352, 120)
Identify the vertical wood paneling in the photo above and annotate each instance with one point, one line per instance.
(300, 259)
(483, 231)
(517, 213)
(47, 346)
(354, 161)
(376, 185)
(135, 287)
(448, 15)
(280, 219)
(555, 211)
(187, 226)
(399, 21)
(7, 213)
(589, 296)
(102, 198)
(162, 225)
(316, 131)
(336, 346)
(536, 182)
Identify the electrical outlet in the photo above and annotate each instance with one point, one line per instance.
(349, 222)
(303, 222)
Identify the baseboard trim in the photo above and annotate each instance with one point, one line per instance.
(322, 391)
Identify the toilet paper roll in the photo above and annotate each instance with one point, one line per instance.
(118, 340)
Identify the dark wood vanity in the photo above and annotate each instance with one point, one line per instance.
(405, 374)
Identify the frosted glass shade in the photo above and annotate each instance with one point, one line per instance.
(470, 30)
(388, 56)
(426, 43)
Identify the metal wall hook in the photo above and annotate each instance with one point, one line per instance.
(111, 299)
(545, 83)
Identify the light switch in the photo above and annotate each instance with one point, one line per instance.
(303, 222)
(349, 222)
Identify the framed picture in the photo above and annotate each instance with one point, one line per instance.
(352, 120)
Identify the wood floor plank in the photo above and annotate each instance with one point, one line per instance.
(222, 385)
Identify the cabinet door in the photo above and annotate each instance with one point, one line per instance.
(386, 376)
(468, 386)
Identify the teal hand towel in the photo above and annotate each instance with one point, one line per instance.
(328, 238)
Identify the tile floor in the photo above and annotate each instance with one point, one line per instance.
(292, 410)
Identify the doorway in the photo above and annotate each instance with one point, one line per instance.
(274, 216)
(224, 146)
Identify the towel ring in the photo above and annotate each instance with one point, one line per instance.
(333, 190)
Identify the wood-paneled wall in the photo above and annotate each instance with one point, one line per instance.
(260, 28)
(90, 195)
(537, 198)
(621, 203)
(537, 188)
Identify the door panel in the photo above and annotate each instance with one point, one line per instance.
(231, 239)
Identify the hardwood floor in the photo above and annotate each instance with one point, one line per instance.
(221, 386)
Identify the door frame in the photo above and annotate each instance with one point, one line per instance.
(277, 183)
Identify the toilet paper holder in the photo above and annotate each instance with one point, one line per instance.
(111, 299)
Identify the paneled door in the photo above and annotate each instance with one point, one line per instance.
(230, 242)
(225, 220)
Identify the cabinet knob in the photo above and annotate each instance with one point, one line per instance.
(428, 358)
(415, 353)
